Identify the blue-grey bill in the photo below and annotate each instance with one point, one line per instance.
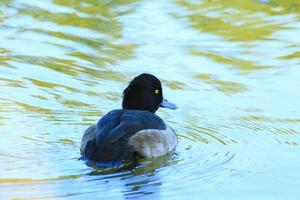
(167, 104)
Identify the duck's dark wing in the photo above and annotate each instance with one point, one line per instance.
(114, 131)
(122, 124)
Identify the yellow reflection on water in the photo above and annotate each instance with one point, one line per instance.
(95, 39)
(241, 64)
(221, 85)
(247, 20)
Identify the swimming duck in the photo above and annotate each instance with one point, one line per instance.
(134, 131)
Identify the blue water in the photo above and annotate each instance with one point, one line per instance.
(231, 66)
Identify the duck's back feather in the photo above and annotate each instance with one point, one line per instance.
(89, 134)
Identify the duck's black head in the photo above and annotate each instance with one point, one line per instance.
(144, 92)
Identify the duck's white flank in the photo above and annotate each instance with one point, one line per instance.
(152, 142)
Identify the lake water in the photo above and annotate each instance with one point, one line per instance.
(232, 67)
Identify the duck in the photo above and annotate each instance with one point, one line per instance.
(135, 131)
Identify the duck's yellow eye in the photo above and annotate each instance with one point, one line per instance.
(156, 91)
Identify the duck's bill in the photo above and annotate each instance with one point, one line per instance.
(167, 104)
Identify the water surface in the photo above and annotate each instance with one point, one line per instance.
(232, 67)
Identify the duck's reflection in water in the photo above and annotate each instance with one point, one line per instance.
(139, 180)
